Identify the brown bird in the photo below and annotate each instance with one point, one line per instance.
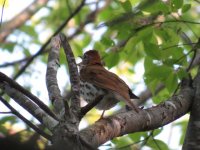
(96, 81)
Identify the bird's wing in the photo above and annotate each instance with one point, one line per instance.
(105, 79)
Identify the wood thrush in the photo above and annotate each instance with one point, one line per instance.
(96, 81)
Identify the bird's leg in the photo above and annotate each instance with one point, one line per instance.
(131, 106)
(102, 114)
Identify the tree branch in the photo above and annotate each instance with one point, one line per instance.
(148, 119)
(7, 64)
(195, 48)
(48, 41)
(20, 19)
(89, 106)
(30, 124)
(31, 107)
(12, 83)
(74, 75)
(51, 78)
(192, 135)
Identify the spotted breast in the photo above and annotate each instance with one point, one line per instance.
(90, 92)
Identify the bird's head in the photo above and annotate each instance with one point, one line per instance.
(90, 57)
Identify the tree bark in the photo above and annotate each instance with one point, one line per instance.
(148, 119)
(192, 138)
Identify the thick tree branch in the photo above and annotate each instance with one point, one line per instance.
(20, 19)
(148, 119)
(27, 104)
(48, 41)
(30, 124)
(12, 83)
(51, 78)
(74, 75)
(193, 132)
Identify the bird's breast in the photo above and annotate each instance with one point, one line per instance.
(89, 91)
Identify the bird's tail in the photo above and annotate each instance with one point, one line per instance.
(132, 96)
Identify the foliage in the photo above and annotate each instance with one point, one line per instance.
(154, 34)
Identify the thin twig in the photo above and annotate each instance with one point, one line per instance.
(157, 22)
(7, 64)
(177, 45)
(30, 124)
(8, 112)
(90, 105)
(48, 41)
(156, 142)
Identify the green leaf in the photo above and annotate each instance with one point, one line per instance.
(171, 82)
(152, 84)
(173, 53)
(137, 136)
(8, 46)
(30, 30)
(111, 59)
(122, 141)
(107, 41)
(152, 51)
(186, 7)
(26, 52)
(158, 7)
(157, 131)
(156, 144)
(127, 6)
(11, 119)
(159, 72)
(145, 34)
(131, 44)
(176, 4)
(161, 96)
(86, 40)
(99, 46)
(148, 64)
(182, 73)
